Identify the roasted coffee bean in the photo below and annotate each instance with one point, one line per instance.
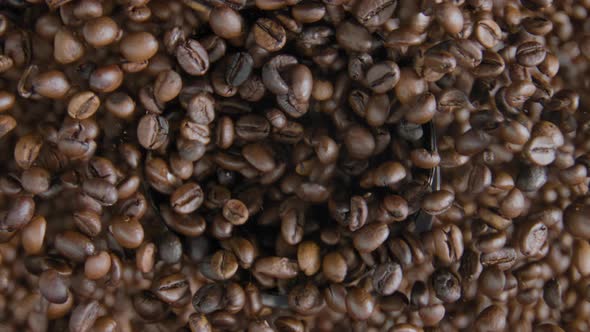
(152, 131)
(269, 34)
(446, 285)
(19, 213)
(383, 76)
(235, 212)
(370, 237)
(192, 57)
(387, 278)
(100, 31)
(106, 79)
(167, 86)
(209, 298)
(83, 316)
(171, 288)
(187, 198)
(530, 54)
(276, 267)
(127, 232)
(53, 287)
(305, 299)
(226, 22)
(359, 303)
(97, 266)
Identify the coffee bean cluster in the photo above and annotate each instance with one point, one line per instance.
(294, 165)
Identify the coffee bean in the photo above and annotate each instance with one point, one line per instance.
(305, 299)
(192, 57)
(269, 34)
(83, 316)
(53, 287)
(167, 86)
(370, 237)
(152, 131)
(226, 22)
(97, 266)
(448, 243)
(359, 303)
(532, 237)
(171, 288)
(383, 76)
(308, 257)
(127, 232)
(491, 318)
(530, 54)
(208, 298)
(531, 178)
(387, 278)
(138, 46)
(488, 33)
(235, 212)
(446, 285)
(187, 198)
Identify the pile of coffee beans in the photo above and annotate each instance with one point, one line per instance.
(294, 165)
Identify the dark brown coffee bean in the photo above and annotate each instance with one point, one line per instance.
(27, 150)
(488, 33)
(199, 323)
(152, 131)
(370, 237)
(209, 298)
(100, 31)
(102, 191)
(192, 57)
(171, 288)
(239, 68)
(83, 316)
(449, 17)
(552, 293)
(448, 243)
(530, 54)
(226, 22)
(167, 86)
(382, 77)
(305, 299)
(33, 235)
(531, 178)
(446, 285)
(334, 267)
(503, 257)
(353, 37)
(88, 222)
(7, 124)
(387, 278)
(235, 212)
(19, 213)
(533, 236)
(187, 198)
(276, 267)
(269, 34)
(67, 47)
(467, 52)
(127, 232)
(374, 13)
(285, 323)
(359, 303)
(491, 318)
(53, 286)
(106, 79)
(148, 306)
(97, 266)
